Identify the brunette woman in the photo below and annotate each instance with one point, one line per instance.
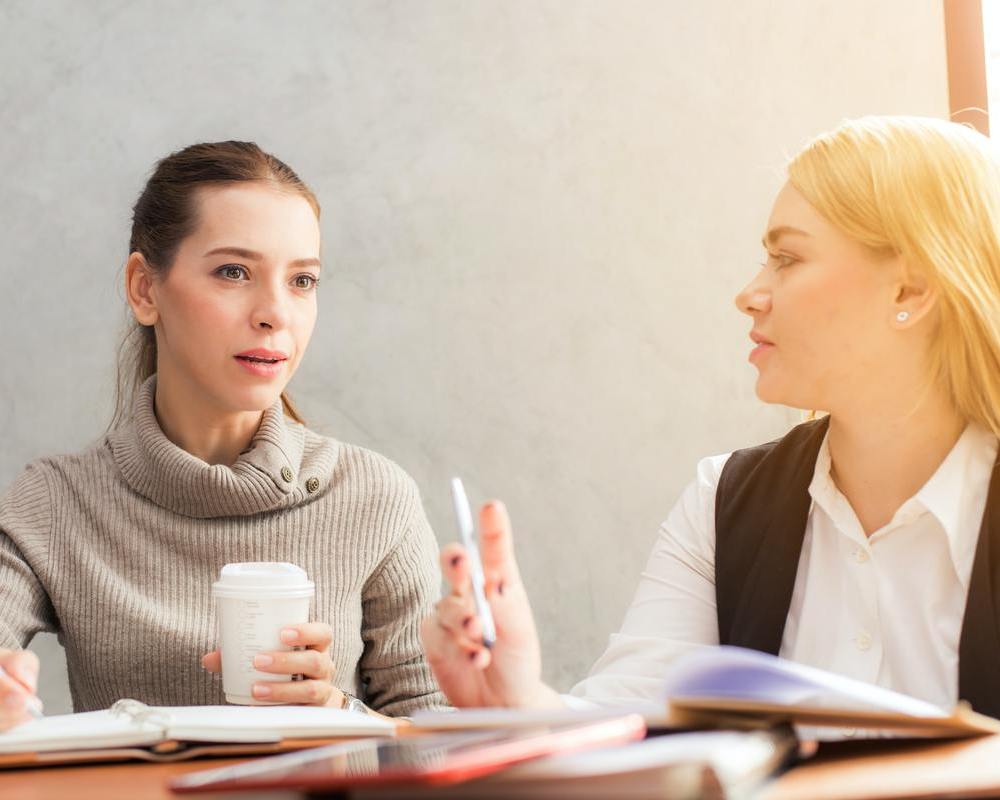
(208, 462)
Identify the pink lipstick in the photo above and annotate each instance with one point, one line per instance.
(262, 362)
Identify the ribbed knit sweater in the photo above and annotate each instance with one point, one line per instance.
(115, 549)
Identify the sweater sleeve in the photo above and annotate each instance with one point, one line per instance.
(394, 673)
(25, 523)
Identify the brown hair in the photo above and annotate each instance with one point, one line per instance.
(166, 213)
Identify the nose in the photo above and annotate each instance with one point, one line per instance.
(755, 297)
(270, 310)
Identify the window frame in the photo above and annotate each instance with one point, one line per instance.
(965, 44)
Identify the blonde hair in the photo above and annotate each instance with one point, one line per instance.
(928, 191)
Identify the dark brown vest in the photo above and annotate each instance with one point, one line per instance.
(761, 509)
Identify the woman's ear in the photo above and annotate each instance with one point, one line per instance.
(913, 297)
(139, 289)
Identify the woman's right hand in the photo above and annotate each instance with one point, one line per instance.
(509, 673)
(18, 682)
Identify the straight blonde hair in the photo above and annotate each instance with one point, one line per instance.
(928, 191)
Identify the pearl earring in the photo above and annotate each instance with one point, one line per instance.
(902, 316)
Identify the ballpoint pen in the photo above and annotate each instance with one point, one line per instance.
(33, 705)
(469, 541)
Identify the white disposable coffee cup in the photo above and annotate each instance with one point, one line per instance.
(255, 601)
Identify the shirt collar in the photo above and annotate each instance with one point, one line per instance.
(955, 494)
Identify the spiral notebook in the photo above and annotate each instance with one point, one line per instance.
(130, 729)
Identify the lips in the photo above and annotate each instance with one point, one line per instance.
(263, 363)
(261, 355)
(762, 346)
(257, 360)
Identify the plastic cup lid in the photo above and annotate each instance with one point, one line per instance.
(270, 578)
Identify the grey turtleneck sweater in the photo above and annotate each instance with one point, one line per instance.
(115, 549)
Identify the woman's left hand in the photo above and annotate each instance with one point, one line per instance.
(313, 663)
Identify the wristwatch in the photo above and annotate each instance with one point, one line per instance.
(351, 703)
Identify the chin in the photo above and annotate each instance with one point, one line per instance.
(774, 393)
(766, 390)
(257, 398)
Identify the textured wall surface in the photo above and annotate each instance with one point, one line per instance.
(536, 215)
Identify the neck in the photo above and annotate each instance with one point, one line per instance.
(200, 426)
(881, 456)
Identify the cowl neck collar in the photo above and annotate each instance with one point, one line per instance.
(265, 477)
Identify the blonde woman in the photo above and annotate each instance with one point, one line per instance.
(208, 462)
(866, 542)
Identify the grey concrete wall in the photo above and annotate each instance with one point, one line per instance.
(536, 214)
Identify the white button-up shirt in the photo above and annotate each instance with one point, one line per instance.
(886, 609)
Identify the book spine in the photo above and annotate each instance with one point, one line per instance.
(142, 714)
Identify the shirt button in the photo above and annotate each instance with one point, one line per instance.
(286, 473)
(861, 555)
(863, 641)
(312, 485)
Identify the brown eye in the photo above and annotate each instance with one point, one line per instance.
(305, 281)
(233, 272)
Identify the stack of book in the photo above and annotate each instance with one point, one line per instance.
(728, 721)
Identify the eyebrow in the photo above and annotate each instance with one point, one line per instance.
(782, 230)
(253, 255)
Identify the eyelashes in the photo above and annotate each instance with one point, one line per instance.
(779, 261)
(226, 271)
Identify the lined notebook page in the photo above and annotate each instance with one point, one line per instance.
(148, 725)
(90, 729)
(264, 723)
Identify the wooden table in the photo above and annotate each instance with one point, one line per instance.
(122, 781)
(883, 769)
(874, 770)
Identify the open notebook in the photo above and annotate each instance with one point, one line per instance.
(737, 688)
(130, 729)
(732, 685)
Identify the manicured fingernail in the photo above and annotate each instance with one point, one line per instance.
(288, 635)
(263, 660)
(259, 690)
